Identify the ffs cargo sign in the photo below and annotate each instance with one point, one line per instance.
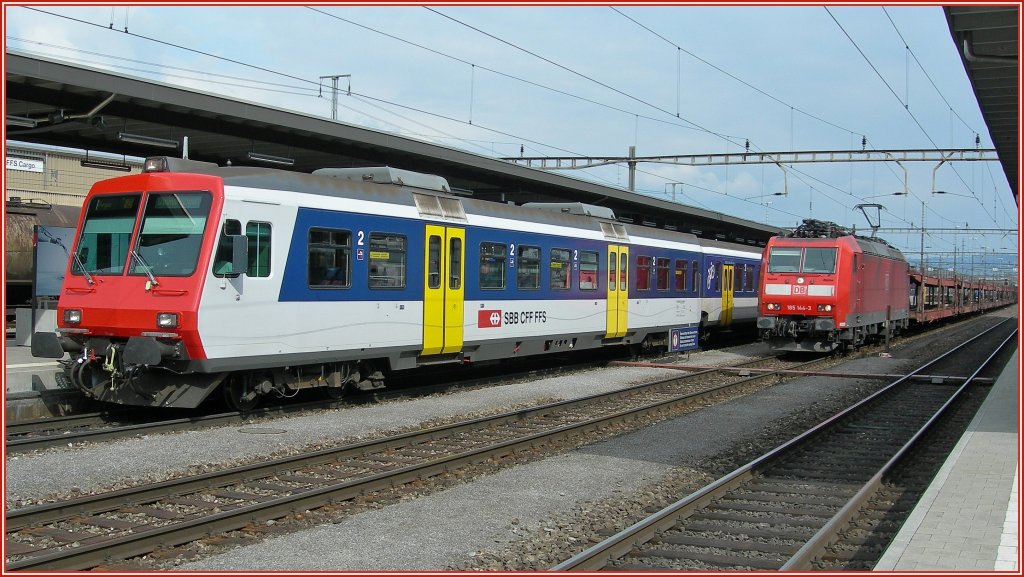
(26, 164)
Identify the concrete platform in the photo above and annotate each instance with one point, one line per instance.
(968, 519)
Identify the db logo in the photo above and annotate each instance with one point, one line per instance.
(488, 319)
(799, 290)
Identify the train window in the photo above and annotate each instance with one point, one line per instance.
(695, 285)
(434, 262)
(492, 265)
(623, 267)
(103, 246)
(737, 278)
(661, 266)
(748, 273)
(258, 235)
(588, 270)
(820, 260)
(329, 258)
(560, 266)
(528, 268)
(718, 277)
(612, 267)
(643, 272)
(387, 262)
(784, 260)
(455, 263)
(681, 273)
(171, 234)
(222, 259)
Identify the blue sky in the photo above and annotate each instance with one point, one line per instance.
(595, 80)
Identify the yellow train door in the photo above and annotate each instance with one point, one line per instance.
(728, 278)
(618, 293)
(443, 289)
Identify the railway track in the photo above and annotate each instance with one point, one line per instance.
(119, 422)
(818, 501)
(92, 531)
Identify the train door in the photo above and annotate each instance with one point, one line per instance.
(618, 291)
(728, 280)
(443, 289)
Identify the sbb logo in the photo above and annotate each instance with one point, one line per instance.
(488, 319)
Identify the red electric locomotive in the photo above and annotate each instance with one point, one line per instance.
(823, 287)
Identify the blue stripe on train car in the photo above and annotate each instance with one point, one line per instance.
(295, 281)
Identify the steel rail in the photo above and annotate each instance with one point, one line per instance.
(91, 555)
(597, 556)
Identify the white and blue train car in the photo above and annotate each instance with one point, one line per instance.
(262, 281)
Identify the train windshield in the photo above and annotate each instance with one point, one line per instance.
(171, 234)
(784, 260)
(820, 260)
(802, 260)
(102, 248)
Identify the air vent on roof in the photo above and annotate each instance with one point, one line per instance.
(388, 175)
(574, 208)
(437, 207)
(614, 231)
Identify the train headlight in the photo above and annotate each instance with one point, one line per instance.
(72, 316)
(167, 320)
(773, 306)
(824, 308)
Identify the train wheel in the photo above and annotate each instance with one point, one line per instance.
(240, 393)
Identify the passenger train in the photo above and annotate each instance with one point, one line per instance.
(824, 288)
(189, 278)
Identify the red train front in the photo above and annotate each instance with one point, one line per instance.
(823, 287)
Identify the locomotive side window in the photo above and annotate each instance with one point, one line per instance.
(103, 246)
(258, 234)
(560, 266)
(171, 234)
(589, 262)
(528, 271)
(387, 260)
(661, 270)
(329, 262)
(222, 259)
(681, 272)
(492, 265)
(643, 272)
(820, 260)
(784, 260)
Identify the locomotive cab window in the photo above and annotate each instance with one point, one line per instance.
(560, 266)
(329, 262)
(103, 246)
(225, 246)
(387, 261)
(171, 234)
(784, 260)
(492, 265)
(589, 263)
(820, 260)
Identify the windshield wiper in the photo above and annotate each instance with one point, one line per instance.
(145, 268)
(81, 266)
